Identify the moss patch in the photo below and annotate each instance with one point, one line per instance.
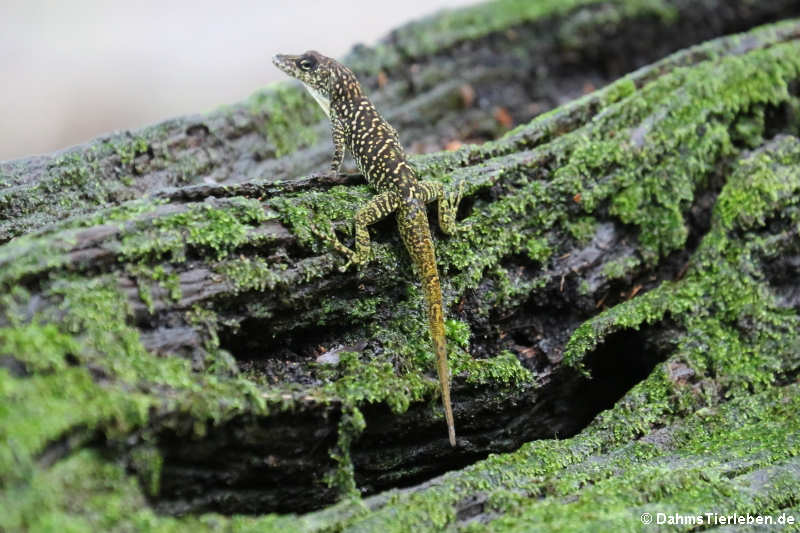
(218, 229)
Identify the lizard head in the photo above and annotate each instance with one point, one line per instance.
(325, 78)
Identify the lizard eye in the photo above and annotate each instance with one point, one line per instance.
(306, 63)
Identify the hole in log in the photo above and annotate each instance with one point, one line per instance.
(284, 356)
(249, 465)
(255, 340)
(278, 464)
(781, 265)
(783, 276)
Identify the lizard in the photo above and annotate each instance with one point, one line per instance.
(358, 126)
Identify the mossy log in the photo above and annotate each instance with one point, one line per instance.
(623, 299)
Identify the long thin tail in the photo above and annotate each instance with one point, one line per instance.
(421, 249)
(433, 297)
(437, 332)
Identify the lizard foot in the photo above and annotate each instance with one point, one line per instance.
(330, 238)
(448, 209)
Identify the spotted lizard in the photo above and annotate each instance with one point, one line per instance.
(357, 126)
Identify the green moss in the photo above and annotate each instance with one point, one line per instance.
(703, 469)
(122, 213)
(584, 289)
(290, 114)
(247, 273)
(49, 249)
(375, 381)
(41, 347)
(206, 321)
(759, 184)
(73, 172)
(631, 158)
(619, 268)
(619, 90)
(582, 229)
(89, 329)
(77, 186)
(129, 150)
(365, 307)
(538, 249)
(653, 182)
(503, 369)
(40, 409)
(350, 427)
(404, 371)
(458, 332)
(724, 272)
(218, 230)
(148, 462)
(145, 276)
(321, 209)
(76, 179)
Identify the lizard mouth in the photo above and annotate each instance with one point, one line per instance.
(279, 60)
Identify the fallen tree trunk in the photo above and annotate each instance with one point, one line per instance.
(642, 236)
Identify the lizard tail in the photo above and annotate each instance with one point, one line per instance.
(433, 300)
(444, 378)
(433, 297)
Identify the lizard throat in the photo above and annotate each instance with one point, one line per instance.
(323, 102)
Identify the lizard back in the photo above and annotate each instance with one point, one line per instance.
(374, 145)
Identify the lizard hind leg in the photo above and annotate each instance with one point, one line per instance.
(448, 203)
(378, 208)
(331, 240)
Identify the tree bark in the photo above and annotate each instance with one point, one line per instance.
(169, 314)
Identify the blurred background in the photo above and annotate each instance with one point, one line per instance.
(72, 70)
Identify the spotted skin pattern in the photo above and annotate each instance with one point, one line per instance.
(358, 126)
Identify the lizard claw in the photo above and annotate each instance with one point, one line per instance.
(330, 238)
(455, 199)
(322, 235)
(448, 209)
(353, 259)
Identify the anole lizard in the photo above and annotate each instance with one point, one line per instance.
(357, 125)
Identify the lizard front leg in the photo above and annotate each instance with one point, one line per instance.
(380, 207)
(448, 203)
(339, 138)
